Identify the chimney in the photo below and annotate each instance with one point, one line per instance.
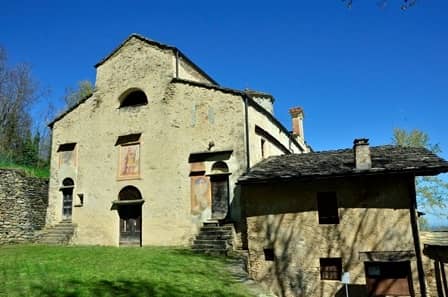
(362, 154)
(297, 122)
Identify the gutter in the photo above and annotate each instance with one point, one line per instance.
(246, 120)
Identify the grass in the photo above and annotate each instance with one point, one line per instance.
(66, 271)
(40, 172)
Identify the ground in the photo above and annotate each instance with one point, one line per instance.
(44, 271)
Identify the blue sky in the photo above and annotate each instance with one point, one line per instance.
(357, 72)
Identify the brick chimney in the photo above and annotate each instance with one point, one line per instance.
(361, 149)
(297, 122)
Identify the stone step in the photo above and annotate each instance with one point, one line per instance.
(208, 241)
(214, 237)
(217, 252)
(216, 234)
(226, 228)
(57, 234)
(210, 244)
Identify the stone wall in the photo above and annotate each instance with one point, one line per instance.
(23, 204)
(283, 217)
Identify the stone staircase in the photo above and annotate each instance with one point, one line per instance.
(214, 238)
(60, 233)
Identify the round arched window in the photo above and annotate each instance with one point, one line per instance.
(67, 182)
(129, 193)
(220, 167)
(133, 97)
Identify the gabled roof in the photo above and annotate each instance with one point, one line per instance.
(161, 46)
(386, 159)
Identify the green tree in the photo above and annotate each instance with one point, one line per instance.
(432, 191)
(74, 95)
(18, 92)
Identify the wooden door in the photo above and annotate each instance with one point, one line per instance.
(389, 279)
(220, 196)
(67, 203)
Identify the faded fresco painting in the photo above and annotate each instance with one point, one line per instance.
(67, 158)
(129, 165)
(200, 194)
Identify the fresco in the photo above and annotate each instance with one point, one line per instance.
(200, 194)
(67, 158)
(129, 165)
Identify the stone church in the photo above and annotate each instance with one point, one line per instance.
(157, 149)
(161, 154)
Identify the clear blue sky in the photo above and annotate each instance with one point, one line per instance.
(357, 72)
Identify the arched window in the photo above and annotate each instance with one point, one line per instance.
(133, 97)
(129, 193)
(220, 167)
(67, 182)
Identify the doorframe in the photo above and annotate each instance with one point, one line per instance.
(140, 218)
(68, 185)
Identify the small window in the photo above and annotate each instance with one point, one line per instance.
(330, 268)
(263, 148)
(327, 208)
(133, 98)
(269, 254)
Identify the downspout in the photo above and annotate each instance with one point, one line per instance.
(177, 63)
(416, 236)
(246, 118)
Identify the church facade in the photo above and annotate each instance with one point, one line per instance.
(157, 149)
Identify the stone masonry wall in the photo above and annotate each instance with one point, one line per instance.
(284, 218)
(23, 204)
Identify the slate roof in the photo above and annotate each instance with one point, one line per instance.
(386, 159)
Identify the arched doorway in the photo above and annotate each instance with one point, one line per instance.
(67, 198)
(219, 179)
(130, 211)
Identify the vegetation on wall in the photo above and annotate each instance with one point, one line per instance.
(20, 146)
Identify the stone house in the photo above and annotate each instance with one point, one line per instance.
(157, 149)
(313, 217)
(435, 251)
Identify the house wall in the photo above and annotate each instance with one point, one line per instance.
(257, 118)
(23, 202)
(284, 217)
(186, 71)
